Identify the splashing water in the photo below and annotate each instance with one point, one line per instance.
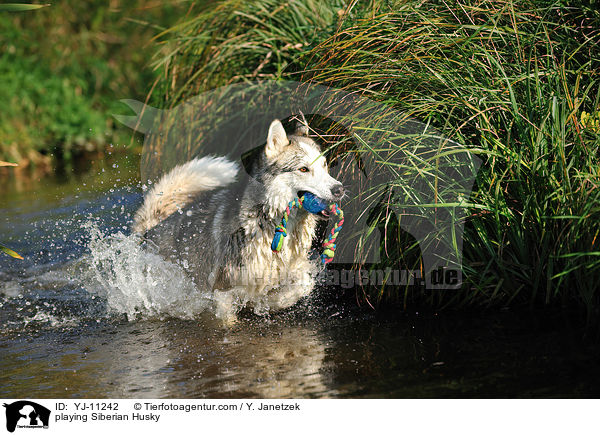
(58, 339)
(138, 282)
(81, 263)
(135, 280)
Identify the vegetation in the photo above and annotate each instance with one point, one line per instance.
(19, 7)
(64, 69)
(516, 82)
(14, 8)
(4, 249)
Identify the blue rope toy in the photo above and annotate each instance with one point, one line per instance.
(311, 204)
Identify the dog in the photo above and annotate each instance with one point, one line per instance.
(217, 221)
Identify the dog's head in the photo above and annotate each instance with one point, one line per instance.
(296, 165)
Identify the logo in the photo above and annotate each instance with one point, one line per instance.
(26, 414)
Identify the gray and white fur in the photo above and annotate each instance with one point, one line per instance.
(218, 222)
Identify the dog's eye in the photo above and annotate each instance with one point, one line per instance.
(303, 169)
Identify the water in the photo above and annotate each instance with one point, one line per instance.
(90, 314)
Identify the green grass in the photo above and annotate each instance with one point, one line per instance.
(240, 40)
(64, 68)
(45, 112)
(516, 82)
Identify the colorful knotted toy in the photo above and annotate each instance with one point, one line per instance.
(312, 204)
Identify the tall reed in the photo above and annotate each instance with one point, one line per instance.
(516, 82)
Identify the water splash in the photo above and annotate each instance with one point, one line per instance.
(136, 281)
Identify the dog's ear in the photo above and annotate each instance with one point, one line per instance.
(276, 140)
(301, 129)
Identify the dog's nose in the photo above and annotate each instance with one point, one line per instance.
(338, 191)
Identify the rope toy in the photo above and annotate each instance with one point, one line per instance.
(311, 204)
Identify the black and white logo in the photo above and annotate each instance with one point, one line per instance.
(26, 414)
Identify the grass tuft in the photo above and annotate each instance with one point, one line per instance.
(516, 82)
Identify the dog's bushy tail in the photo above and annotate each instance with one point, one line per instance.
(178, 188)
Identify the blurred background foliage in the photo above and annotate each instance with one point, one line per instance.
(63, 69)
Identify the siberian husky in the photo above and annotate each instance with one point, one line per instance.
(217, 221)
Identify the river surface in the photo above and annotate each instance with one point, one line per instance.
(80, 317)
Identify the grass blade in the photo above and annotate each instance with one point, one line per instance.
(17, 7)
(10, 252)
